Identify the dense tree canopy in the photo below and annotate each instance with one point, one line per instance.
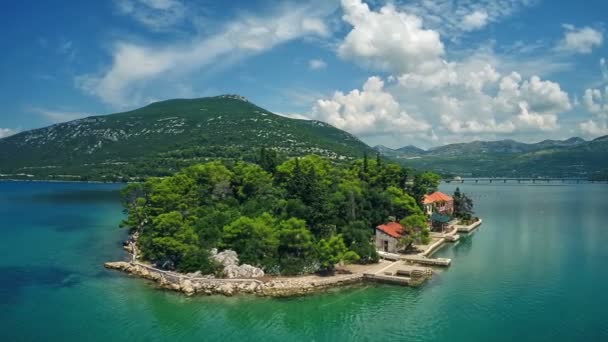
(303, 215)
(463, 205)
(425, 183)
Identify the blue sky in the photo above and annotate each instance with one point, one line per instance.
(395, 73)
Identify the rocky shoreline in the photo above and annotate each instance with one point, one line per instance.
(275, 287)
(237, 278)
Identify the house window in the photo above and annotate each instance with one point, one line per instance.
(385, 246)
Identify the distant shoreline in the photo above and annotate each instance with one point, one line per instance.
(59, 181)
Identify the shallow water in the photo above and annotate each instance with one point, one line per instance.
(535, 270)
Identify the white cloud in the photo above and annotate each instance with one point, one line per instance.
(447, 16)
(135, 65)
(544, 96)
(156, 15)
(604, 69)
(580, 40)
(465, 101)
(316, 64)
(596, 103)
(370, 111)
(475, 21)
(57, 116)
(593, 128)
(389, 40)
(470, 96)
(534, 120)
(6, 132)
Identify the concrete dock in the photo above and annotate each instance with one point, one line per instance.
(469, 228)
(422, 260)
(400, 273)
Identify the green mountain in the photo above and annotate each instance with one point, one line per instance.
(403, 152)
(411, 150)
(164, 137)
(573, 157)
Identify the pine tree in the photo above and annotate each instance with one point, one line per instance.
(268, 160)
(297, 182)
(463, 205)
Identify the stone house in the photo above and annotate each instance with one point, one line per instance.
(387, 237)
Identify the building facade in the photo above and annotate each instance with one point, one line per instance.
(438, 202)
(387, 237)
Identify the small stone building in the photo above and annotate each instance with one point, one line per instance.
(387, 237)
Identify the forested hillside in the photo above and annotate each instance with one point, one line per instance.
(164, 137)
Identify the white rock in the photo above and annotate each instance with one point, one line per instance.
(226, 258)
(243, 271)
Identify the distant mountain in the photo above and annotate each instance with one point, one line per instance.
(383, 149)
(557, 143)
(571, 157)
(410, 149)
(403, 152)
(165, 136)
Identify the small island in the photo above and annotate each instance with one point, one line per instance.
(275, 227)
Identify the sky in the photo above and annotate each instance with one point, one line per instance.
(420, 72)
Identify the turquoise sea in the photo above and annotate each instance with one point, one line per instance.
(535, 271)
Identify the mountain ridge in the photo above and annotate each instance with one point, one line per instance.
(163, 137)
(569, 157)
(544, 143)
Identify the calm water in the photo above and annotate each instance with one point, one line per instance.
(536, 270)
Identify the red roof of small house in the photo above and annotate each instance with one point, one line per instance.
(393, 229)
(437, 197)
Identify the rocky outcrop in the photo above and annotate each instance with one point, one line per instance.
(230, 260)
(185, 283)
(242, 271)
(225, 258)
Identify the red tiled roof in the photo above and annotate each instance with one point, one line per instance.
(393, 229)
(436, 197)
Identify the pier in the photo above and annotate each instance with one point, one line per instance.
(400, 273)
(422, 260)
(467, 229)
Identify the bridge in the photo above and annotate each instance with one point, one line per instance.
(533, 180)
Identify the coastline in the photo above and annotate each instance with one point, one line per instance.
(397, 269)
(265, 287)
(404, 271)
(452, 236)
